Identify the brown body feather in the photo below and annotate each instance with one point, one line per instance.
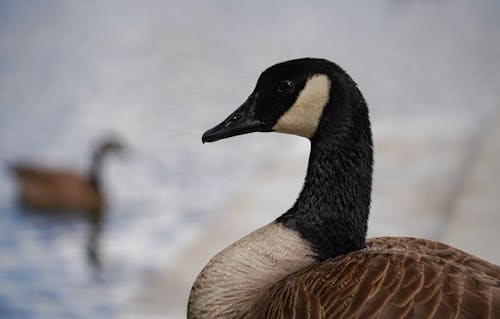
(52, 189)
(392, 278)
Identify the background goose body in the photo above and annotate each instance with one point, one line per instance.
(45, 188)
(61, 189)
(325, 268)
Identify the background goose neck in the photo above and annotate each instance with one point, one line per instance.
(95, 168)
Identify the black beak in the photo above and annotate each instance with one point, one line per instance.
(241, 121)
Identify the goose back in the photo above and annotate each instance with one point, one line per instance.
(50, 189)
(392, 278)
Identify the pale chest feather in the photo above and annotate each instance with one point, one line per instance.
(235, 278)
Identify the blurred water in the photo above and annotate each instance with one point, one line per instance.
(161, 72)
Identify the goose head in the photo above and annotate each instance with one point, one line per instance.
(300, 97)
(110, 145)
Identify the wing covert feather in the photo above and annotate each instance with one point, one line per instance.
(391, 278)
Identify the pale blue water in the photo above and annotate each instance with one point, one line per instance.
(159, 73)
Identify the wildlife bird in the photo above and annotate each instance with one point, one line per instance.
(314, 261)
(56, 191)
(61, 189)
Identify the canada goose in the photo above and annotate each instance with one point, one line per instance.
(314, 260)
(61, 189)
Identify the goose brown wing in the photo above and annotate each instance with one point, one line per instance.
(56, 189)
(392, 278)
(434, 248)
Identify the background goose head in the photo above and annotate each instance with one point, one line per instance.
(308, 97)
(109, 145)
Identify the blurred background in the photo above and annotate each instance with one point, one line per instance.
(157, 74)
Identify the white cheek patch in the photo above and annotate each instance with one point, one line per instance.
(303, 117)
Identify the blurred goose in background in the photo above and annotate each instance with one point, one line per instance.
(314, 260)
(51, 190)
(61, 189)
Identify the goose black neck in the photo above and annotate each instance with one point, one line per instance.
(331, 212)
(95, 169)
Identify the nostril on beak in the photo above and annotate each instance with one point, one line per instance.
(231, 120)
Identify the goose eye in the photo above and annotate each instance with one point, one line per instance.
(286, 87)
